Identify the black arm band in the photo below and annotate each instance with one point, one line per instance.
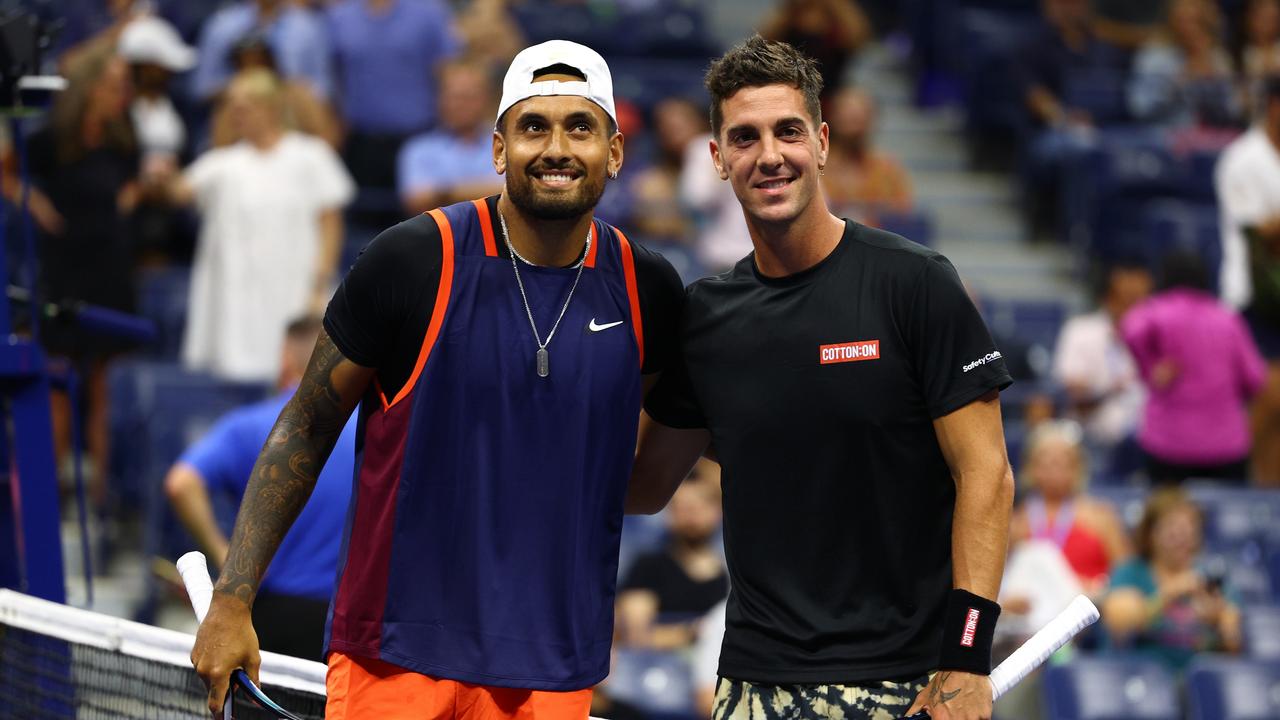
(967, 629)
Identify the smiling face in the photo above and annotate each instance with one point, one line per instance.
(556, 152)
(769, 149)
(1055, 467)
(1176, 537)
(253, 104)
(1262, 26)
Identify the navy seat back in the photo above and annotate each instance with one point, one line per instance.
(1261, 630)
(655, 682)
(1114, 688)
(1231, 689)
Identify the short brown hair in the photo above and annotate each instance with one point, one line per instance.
(1161, 503)
(759, 62)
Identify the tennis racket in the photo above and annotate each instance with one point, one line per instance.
(1079, 615)
(195, 575)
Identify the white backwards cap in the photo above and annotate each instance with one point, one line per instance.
(519, 85)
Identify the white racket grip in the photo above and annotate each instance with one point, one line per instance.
(1079, 615)
(195, 575)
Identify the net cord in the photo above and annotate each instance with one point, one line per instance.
(141, 641)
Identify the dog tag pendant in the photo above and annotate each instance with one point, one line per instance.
(544, 362)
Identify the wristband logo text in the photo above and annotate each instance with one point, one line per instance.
(849, 352)
(970, 627)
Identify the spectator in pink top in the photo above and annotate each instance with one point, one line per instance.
(1200, 366)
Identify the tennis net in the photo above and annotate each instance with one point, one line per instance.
(62, 662)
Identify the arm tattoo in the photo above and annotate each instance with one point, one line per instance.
(938, 696)
(286, 471)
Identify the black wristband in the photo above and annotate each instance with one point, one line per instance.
(967, 629)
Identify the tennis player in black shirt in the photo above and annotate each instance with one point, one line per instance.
(849, 389)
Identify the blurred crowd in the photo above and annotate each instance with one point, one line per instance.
(221, 163)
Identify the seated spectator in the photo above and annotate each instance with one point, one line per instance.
(1248, 187)
(155, 52)
(1128, 24)
(1201, 367)
(304, 111)
(489, 33)
(859, 179)
(657, 213)
(1161, 603)
(722, 238)
(1056, 508)
(297, 37)
(388, 53)
(665, 593)
(271, 232)
(1065, 45)
(1260, 53)
(829, 31)
(289, 612)
(85, 162)
(454, 162)
(1094, 367)
(1184, 78)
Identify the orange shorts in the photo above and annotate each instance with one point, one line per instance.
(362, 688)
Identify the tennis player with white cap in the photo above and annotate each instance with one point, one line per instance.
(499, 350)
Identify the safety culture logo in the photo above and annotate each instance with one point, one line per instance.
(849, 352)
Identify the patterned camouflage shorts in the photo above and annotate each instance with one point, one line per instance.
(739, 700)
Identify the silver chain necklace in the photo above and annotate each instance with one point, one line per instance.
(543, 357)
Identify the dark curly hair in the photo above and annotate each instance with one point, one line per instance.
(759, 62)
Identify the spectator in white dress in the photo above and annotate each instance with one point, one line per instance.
(270, 235)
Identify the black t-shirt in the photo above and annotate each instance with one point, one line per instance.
(678, 594)
(380, 313)
(819, 390)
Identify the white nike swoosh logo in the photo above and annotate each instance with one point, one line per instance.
(593, 327)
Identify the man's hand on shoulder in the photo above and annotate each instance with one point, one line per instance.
(955, 695)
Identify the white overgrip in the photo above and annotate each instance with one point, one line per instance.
(195, 575)
(1079, 615)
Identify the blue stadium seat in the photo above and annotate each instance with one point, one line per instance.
(641, 534)
(1035, 322)
(1180, 225)
(915, 226)
(162, 299)
(1237, 520)
(1107, 188)
(1201, 165)
(542, 21)
(645, 81)
(1244, 576)
(682, 257)
(1111, 689)
(157, 410)
(985, 43)
(1100, 92)
(655, 682)
(1128, 501)
(355, 237)
(1229, 689)
(671, 29)
(1015, 438)
(1273, 569)
(1261, 626)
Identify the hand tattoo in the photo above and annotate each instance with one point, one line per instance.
(938, 696)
